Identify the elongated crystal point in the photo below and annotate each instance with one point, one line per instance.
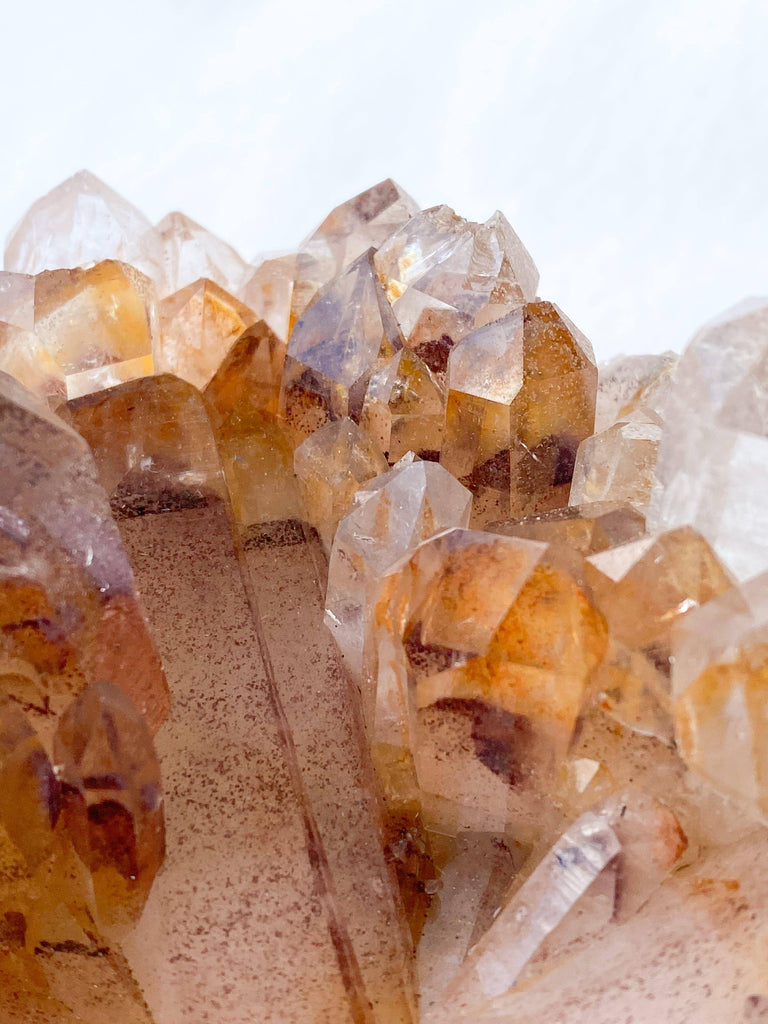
(565, 874)
(347, 333)
(71, 612)
(80, 222)
(112, 797)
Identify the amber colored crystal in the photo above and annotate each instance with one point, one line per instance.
(99, 325)
(587, 529)
(643, 588)
(521, 398)
(331, 466)
(112, 798)
(305, 784)
(30, 798)
(268, 292)
(69, 611)
(198, 326)
(404, 408)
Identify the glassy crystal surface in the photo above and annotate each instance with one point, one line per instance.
(191, 252)
(80, 222)
(268, 291)
(331, 466)
(521, 398)
(362, 222)
(30, 795)
(617, 465)
(333, 945)
(445, 274)
(404, 408)
(713, 454)
(348, 333)
(98, 325)
(112, 798)
(390, 516)
(198, 326)
(642, 588)
(24, 357)
(17, 299)
(719, 677)
(71, 613)
(587, 529)
(621, 379)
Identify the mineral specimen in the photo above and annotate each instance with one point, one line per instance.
(521, 777)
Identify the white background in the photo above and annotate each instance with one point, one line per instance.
(626, 142)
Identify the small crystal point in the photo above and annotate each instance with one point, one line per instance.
(362, 222)
(80, 222)
(113, 797)
(30, 796)
(347, 333)
(566, 872)
(191, 252)
(98, 325)
(331, 466)
(198, 326)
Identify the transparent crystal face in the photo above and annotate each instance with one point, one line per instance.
(367, 655)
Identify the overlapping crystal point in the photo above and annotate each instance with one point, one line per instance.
(368, 653)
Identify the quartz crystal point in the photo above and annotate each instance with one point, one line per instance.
(445, 274)
(362, 222)
(268, 292)
(17, 300)
(521, 398)
(692, 954)
(617, 465)
(495, 963)
(198, 326)
(99, 325)
(300, 925)
(242, 399)
(622, 379)
(404, 408)
(112, 798)
(713, 459)
(191, 252)
(347, 333)
(70, 613)
(331, 466)
(720, 685)
(80, 222)
(390, 516)
(643, 588)
(490, 631)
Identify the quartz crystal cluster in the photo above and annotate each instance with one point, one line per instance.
(368, 655)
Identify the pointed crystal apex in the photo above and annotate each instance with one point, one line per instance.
(98, 325)
(80, 222)
(198, 326)
(190, 252)
(331, 466)
(362, 222)
(347, 333)
(113, 801)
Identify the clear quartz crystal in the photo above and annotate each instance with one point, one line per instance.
(713, 458)
(191, 252)
(81, 222)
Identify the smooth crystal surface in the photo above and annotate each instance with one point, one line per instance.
(191, 252)
(99, 326)
(81, 222)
